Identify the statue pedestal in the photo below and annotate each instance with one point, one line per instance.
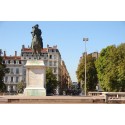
(35, 78)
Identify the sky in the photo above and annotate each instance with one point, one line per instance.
(67, 35)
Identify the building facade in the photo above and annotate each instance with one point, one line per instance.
(65, 77)
(51, 57)
(15, 64)
(94, 55)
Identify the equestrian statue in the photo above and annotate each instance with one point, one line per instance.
(37, 41)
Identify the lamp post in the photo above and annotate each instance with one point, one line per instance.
(85, 39)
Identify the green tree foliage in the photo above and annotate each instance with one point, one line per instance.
(20, 87)
(51, 81)
(91, 72)
(111, 68)
(3, 71)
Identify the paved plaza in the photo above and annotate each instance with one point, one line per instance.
(51, 99)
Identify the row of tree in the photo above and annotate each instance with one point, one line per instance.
(108, 70)
(3, 71)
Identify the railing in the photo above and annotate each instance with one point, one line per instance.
(96, 93)
(109, 96)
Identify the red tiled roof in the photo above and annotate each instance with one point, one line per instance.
(12, 57)
(30, 50)
(27, 49)
(44, 50)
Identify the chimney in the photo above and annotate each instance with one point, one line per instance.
(23, 46)
(4, 53)
(0, 52)
(15, 53)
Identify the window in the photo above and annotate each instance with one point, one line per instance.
(19, 61)
(11, 62)
(24, 62)
(11, 70)
(14, 61)
(50, 50)
(14, 88)
(42, 55)
(24, 71)
(50, 56)
(54, 56)
(8, 61)
(11, 79)
(50, 63)
(45, 56)
(6, 79)
(3, 62)
(45, 62)
(17, 79)
(54, 63)
(24, 79)
(54, 70)
(8, 88)
(17, 70)
(11, 88)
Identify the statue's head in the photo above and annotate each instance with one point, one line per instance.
(36, 26)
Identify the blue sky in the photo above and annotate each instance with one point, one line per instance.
(67, 35)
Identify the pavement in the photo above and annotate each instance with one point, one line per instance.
(51, 99)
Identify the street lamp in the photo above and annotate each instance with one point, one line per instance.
(85, 39)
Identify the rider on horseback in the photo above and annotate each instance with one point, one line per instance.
(37, 43)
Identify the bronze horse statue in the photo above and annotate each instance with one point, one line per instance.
(37, 43)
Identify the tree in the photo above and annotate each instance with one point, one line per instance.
(110, 67)
(20, 87)
(3, 71)
(51, 81)
(91, 72)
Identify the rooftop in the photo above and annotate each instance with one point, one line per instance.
(30, 50)
(12, 57)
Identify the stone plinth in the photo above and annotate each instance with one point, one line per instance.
(35, 78)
